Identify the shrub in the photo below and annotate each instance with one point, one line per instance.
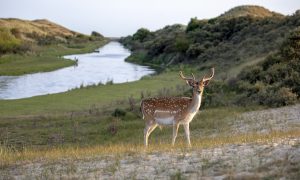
(195, 24)
(141, 34)
(47, 40)
(195, 50)
(276, 81)
(251, 74)
(181, 44)
(16, 32)
(290, 49)
(96, 34)
(276, 97)
(119, 112)
(8, 42)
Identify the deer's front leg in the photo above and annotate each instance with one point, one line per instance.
(147, 131)
(187, 133)
(175, 130)
(146, 135)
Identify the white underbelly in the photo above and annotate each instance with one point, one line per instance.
(165, 120)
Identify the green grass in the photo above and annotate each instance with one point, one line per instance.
(83, 99)
(98, 127)
(44, 58)
(84, 116)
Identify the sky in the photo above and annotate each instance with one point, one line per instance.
(115, 18)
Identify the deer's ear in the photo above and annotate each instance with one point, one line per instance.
(205, 83)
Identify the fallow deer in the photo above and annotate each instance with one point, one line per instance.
(174, 110)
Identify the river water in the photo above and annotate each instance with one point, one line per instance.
(93, 68)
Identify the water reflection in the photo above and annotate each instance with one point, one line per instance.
(92, 68)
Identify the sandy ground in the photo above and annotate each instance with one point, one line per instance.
(279, 159)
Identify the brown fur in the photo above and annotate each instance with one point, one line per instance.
(171, 104)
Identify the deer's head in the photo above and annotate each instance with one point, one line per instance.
(198, 85)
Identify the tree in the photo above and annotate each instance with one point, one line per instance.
(141, 34)
(181, 44)
(96, 34)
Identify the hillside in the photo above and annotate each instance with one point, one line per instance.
(276, 80)
(26, 30)
(249, 10)
(227, 43)
(37, 46)
(252, 35)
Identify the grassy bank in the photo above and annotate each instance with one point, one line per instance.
(83, 99)
(99, 127)
(44, 58)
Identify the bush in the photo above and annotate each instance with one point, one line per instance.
(8, 42)
(16, 32)
(251, 74)
(195, 50)
(276, 97)
(181, 44)
(47, 40)
(96, 34)
(276, 81)
(119, 112)
(141, 34)
(290, 49)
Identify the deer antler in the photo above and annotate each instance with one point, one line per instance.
(211, 76)
(187, 79)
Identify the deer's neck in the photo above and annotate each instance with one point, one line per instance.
(196, 102)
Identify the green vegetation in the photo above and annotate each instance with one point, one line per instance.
(8, 42)
(96, 34)
(276, 80)
(38, 46)
(243, 36)
(246, 34)
(44, 58)
(105, 119)
(83, 99)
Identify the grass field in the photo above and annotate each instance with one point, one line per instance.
(44, 58)
(84, 116)
(83, 99)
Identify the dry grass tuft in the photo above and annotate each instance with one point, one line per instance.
(10, 156)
